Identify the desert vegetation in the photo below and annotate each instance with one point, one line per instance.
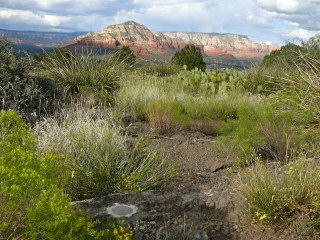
(63, 134)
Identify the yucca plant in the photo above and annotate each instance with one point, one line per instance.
(83, 74)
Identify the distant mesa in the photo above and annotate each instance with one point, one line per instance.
(144, 43)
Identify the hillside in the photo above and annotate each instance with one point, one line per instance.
(34, 41)
(39, 38)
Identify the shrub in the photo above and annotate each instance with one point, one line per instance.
(312, 45)
(260, 131)
(166, 115)
(99, 160)
(33, 206)
(279, 195)
(31, 96)
(190, 56)
(260, 80)
(281, 66)
(58, 53)
(84, 74)
(124, 55)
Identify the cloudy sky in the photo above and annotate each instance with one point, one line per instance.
(262, 20)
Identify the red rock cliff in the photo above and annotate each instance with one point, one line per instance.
(143, 42)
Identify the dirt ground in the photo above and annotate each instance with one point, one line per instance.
(202, 175)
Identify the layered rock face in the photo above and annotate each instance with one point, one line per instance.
(140, 39)
(219, 45)
(143, 42)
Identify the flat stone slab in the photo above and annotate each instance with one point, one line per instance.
(163, 215)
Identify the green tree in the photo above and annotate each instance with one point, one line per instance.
(190, 56)
(124, 55)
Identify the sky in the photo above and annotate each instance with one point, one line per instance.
(276, 21)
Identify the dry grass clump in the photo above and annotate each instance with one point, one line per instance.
(98, 156)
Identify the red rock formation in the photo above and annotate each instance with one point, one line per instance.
(143, 42)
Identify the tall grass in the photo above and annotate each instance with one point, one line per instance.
(99, 159)
(135, 93)
(300, 91)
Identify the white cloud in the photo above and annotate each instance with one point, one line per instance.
(285, 6)
(260, 21)
(31, 18)
(65, 7)
(302, 33)
(293, 24)
(304, 14)
(182, 15)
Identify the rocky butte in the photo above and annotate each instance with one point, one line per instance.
(143, 42)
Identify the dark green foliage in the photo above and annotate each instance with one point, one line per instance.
(288, 54)
(30, 96)
(191, 57)
(124, 55)
(269, 76)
